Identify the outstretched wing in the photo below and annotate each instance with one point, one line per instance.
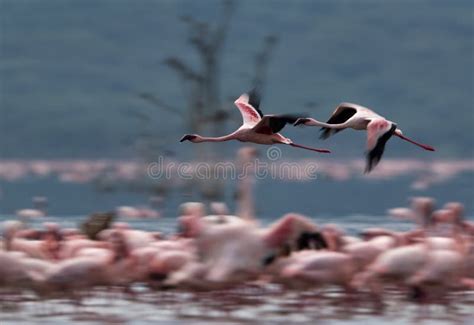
(378, 133)
(248, 105)
(340, 115)
(270, 124)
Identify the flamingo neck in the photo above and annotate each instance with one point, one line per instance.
(313, 122)
(215, 139)
(7, 241)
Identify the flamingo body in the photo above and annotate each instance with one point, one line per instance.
(256, 127)
(357, 117)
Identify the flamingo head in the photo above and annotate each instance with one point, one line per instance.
(457, 209)
(189, 226)
(301, 121)
(52, 242)
(119, 246)
(190, 137)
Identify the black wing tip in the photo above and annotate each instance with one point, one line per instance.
(255, 98)
(371, 163)
(325, 133)
(375, 155)
(373, 159)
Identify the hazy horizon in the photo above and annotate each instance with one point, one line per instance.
(71, 71)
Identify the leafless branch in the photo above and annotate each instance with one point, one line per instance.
(222, 29)
(152, 99)
(182, 68)
(139, 115)
(262, 59)
(221, 115)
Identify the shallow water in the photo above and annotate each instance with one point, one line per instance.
(351, 224)
(252, 303)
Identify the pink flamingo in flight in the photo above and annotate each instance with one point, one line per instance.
(379, 129)
(256, 127)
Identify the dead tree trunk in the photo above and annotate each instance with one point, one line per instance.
(204, 111)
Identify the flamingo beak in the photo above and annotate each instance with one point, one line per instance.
(188, 137)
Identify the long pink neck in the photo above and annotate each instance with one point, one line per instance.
(314, 122)
(216, 139)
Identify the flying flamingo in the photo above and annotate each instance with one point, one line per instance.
(379, 129)
(256, 127)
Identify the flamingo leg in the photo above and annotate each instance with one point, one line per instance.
(424, 146)
(309, 148)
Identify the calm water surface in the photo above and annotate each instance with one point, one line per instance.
(246, 304)
(242, 305)
(69, 205)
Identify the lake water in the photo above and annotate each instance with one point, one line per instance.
(267, 305)
(247, 304)
(71, 74)
(70, 204)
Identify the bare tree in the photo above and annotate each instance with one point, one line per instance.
(204, 111)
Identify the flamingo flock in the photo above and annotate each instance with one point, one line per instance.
(263, 129)
(219, 250)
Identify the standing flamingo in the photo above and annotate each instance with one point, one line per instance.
(256, 127)
(40, 204)
(379, 129)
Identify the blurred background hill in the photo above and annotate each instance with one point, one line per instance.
(71, 71)
(125, 79)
